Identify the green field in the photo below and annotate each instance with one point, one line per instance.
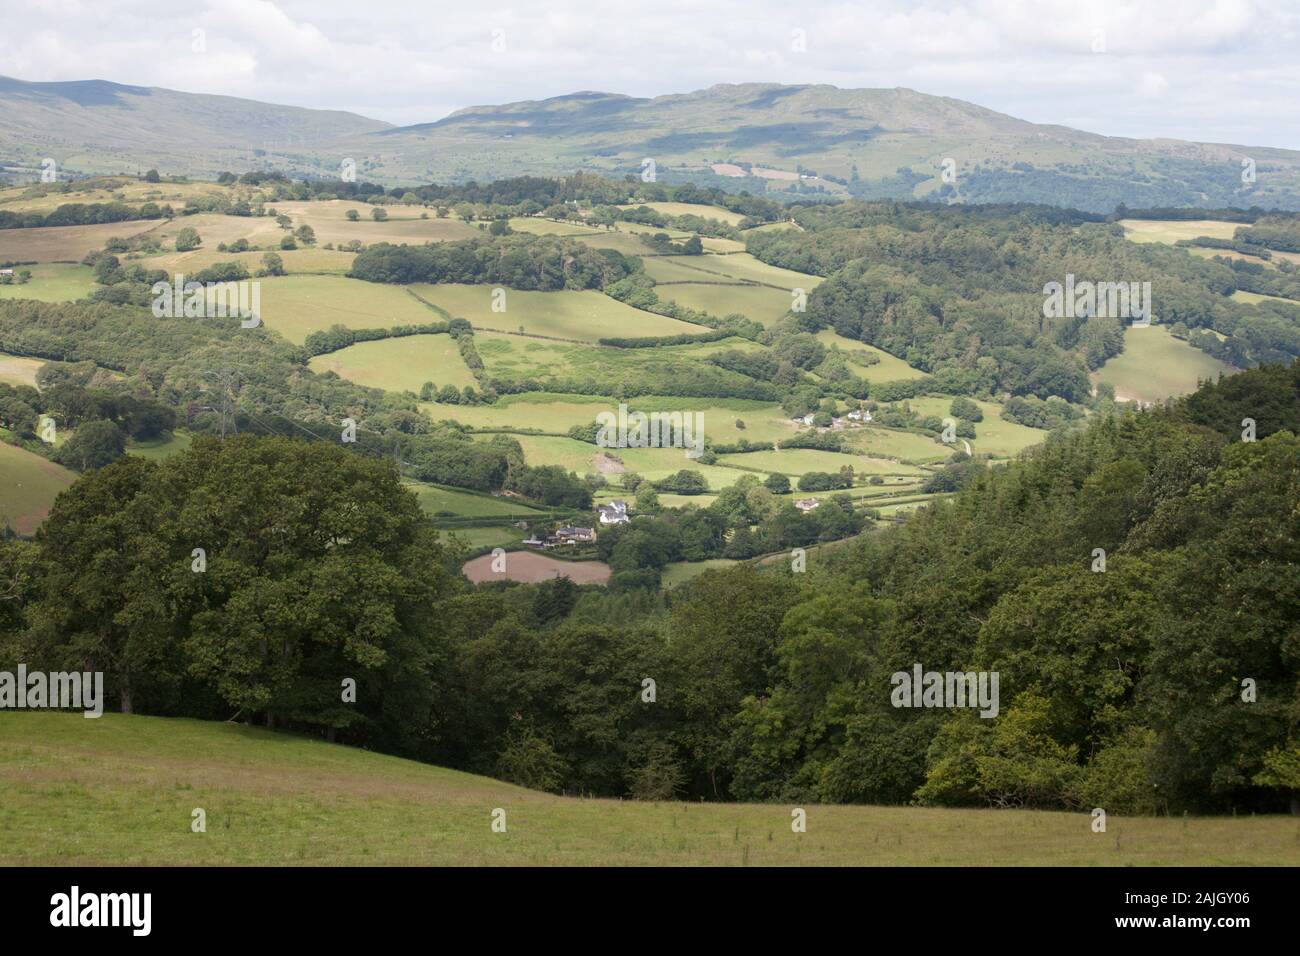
(1154, 366)
(580, 316)
(54, 282)
(651, 463)
(121, 790)
(435, 499)
(763, 304)
(399, 364)
(623, 242)
(553, 365)
(994, 435)
(491, 536)
(159, 448)
(557, 413)
(295, 306)
(680, 572)
(746, 268)
(797, 461)
(893, 443)
(45, 198)
(28, 486)
(888, 369)
(536, 226)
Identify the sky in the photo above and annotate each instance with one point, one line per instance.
(1208, 70)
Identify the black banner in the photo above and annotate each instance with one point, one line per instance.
(334, 906)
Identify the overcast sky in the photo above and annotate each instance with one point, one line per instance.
(1210, 70)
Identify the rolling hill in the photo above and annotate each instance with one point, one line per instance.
(869, 143)
(94, 126)
(122, 790)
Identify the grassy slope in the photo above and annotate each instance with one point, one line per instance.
(28, 486)
(399, 364)
(295, 306)
(1154, 366)
(55, 282)
(120, 790)
(584, 316)
(64, 243)
(18, 370)
(435, 498)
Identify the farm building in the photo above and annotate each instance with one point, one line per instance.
(613, 513)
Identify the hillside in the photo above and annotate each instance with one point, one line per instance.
(869, 143)
(94, 126)
(121, 790)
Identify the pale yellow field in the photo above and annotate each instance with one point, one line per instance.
(15, 370)
(64, 243)
(1254, 298)
(1159, 230)
(300, 260)
(693, 209)
(582, 316)
(404, 225)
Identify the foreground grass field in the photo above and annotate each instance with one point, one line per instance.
(121, 790)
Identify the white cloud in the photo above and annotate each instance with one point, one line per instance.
(1216, 70)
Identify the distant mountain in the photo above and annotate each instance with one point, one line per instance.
(761, 137)
(93, 126)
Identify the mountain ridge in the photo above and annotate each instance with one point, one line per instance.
(799, 140)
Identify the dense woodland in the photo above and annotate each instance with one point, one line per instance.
(1120, 688)
(958, 291)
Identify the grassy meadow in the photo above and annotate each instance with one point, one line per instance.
(296, 306)
(1170, 231)
(580, 316)
(1154, 366)
(53, 282)
(399, 364)
(18, 370)
(121, 790)
(28, 486)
